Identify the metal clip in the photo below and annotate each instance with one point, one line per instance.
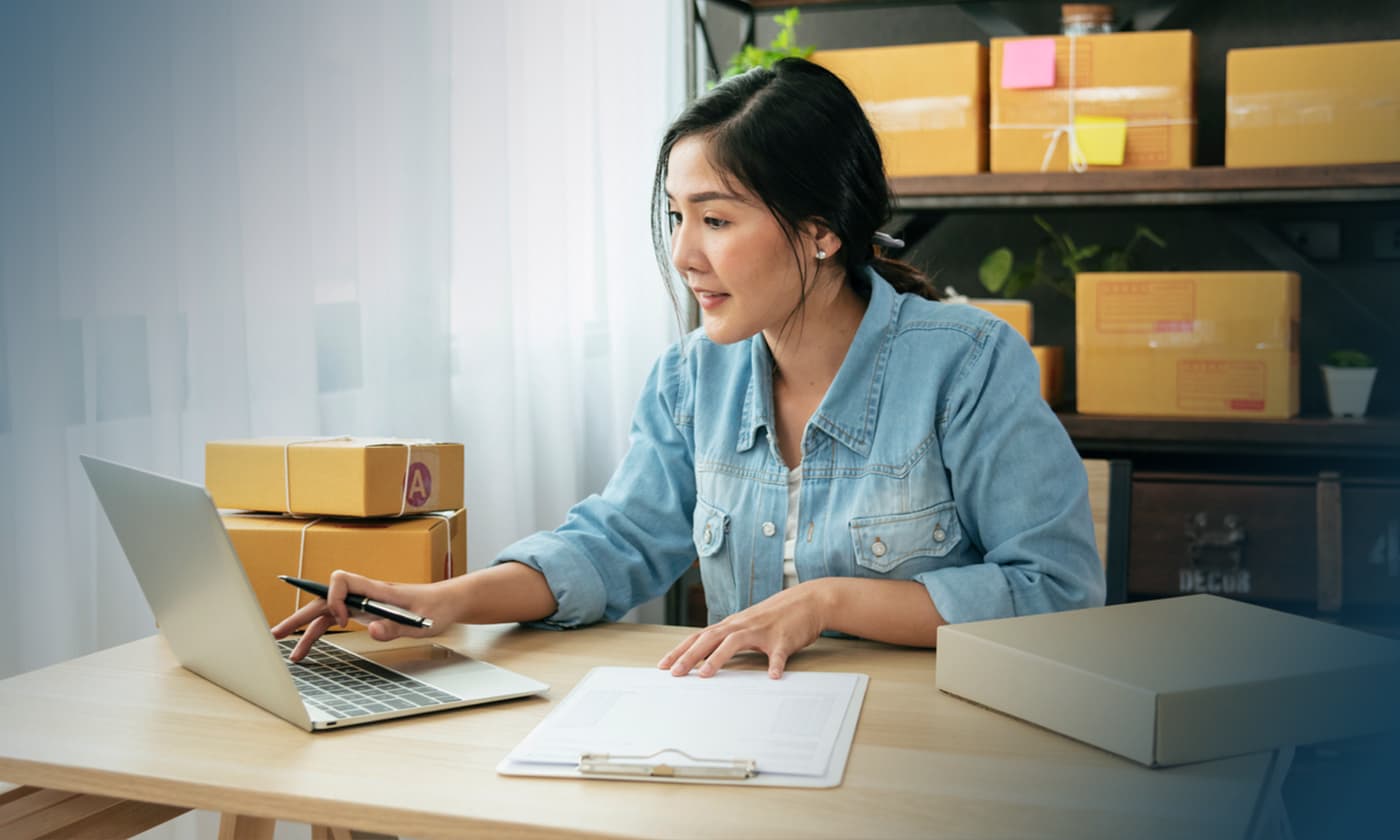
(604, 764)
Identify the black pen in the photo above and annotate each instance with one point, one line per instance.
(363, 604)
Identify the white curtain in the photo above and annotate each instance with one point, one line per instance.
(255, 217)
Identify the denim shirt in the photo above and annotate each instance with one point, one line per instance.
(932, 458)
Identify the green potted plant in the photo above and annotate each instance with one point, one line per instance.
(783, 45)
(1058, 258)
(1348, 375)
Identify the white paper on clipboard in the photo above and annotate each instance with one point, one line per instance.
(797, 730)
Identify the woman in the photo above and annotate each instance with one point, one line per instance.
(843, 453)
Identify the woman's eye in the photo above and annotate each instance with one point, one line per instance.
(675, 219)
(714, 223)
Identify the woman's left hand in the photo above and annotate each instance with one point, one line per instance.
(778, 626)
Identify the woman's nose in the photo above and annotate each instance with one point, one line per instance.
(685, 255)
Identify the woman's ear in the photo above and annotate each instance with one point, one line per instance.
(823, 239)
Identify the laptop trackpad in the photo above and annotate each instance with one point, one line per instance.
(442, 667)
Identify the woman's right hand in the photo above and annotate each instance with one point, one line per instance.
(322, 614)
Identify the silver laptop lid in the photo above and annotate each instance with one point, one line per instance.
(207, 612)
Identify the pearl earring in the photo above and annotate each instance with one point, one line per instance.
(821, 255)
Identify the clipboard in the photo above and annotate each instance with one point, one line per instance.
(737, 727)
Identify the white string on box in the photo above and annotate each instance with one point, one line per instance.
(407, 470)
(1078, 161)
(446, 516)
(301, 561)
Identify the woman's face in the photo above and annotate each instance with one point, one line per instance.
(730, 249)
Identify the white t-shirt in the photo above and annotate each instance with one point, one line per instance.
(790, 532)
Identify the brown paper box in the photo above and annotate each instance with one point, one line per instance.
(927, 103)
(1311, 105)
(1051, 360)
(1147, 78)
(409, 550)
(335, 477)
(1020, 314)
(1177, 680)
(1188, 344)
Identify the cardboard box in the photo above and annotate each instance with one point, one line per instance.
(927, 103)
(1188, 344)
(1318, 104)
(1177, 680)
(1020, 314)
(414, 549)
(1145, 78)
(334, 477)
(1052, 372)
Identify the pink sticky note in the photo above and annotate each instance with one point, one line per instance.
(1028, 64)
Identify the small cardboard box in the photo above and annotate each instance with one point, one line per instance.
(414, 549)
(1310, 105)
(1145, 78)
(1020, 314)
(1188, 344)
(335, 476)
(1051, 360)
(927, 103)
(1177, 680)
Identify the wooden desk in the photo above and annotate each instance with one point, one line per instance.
(131, 723)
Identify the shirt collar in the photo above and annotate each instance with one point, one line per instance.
(848, 411)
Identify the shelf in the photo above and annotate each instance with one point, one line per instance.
(1198, 186)
(1364, 438)
(785, 4)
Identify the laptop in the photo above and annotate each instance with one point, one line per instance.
(176, 544)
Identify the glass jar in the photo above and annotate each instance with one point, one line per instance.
(1086, 18)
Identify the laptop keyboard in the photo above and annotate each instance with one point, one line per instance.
(344, 685)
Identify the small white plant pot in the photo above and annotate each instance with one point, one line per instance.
(1348, 389)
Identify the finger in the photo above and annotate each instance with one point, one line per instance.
(777, 661)
(343, 583)
(670, 658)
(313, 632)
(726, 650)
(384, 630)
(302, 616)
(379, 590)
(703, 646)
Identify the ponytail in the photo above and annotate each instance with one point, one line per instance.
(905, 278)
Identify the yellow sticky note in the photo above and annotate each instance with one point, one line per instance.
(1102, 139)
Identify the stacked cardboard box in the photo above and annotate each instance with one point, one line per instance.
(1188, 344)
(927, 103)
(1311, 105)
(1125, 99)
(382, 508)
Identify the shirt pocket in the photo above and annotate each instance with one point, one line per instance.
(883, 542)
(710, 533)
(711, 523)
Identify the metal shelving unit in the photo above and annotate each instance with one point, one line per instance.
(1371, 445)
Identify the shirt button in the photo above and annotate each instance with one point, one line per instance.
(938, 534)
(709, 535)
(769, 529)
(878, 548)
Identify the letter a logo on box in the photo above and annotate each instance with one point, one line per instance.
(419, 484)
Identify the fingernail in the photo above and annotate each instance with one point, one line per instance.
(706, 670)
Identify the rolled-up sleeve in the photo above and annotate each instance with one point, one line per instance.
(1021, 491)
(628, 544)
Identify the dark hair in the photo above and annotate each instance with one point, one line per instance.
(796, 138)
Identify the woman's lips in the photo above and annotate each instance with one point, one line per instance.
(709, 300)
